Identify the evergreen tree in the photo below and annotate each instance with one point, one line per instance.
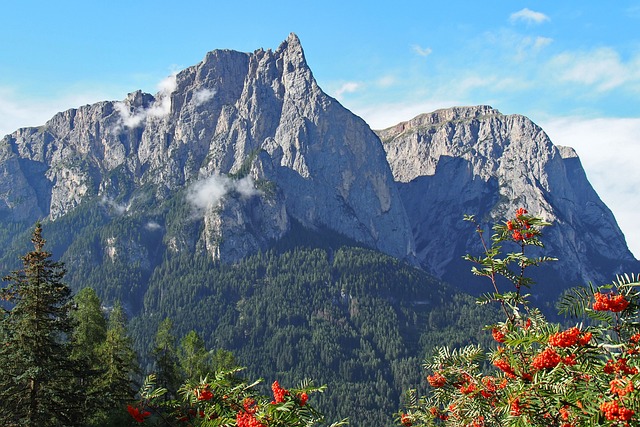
(119, 362)
(194, 357)
(38, 379)
(91, 326)
(88, 337)
(165, 356)
(222, 360)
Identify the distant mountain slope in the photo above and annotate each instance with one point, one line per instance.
(478, 161)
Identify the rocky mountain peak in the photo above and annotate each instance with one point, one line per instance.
(475, 160)
(251, 121)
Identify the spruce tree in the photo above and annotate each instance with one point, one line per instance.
(119, 361)
(88, 337)
(38, 379)
(165, 356)
(193, 356)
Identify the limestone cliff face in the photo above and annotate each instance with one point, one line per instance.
(475, 160)
(257, 115)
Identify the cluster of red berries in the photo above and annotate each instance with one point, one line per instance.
(138, 414)
(478, 422)
(246, 417)
(516, 408)
(619, 366)
(505, 367)
(610, 302)
(569, 337)
(203, 393)
(278, 392)
(303, 397)
(498, 335)
(435, 412)
(546, 359)
(436, 380)
(614, 412)
(520, 227)
(621, 386)
(405, 419)
(467, 385)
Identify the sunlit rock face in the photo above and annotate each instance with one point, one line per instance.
(255, 116)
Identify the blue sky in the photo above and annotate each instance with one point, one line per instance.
(573, 67)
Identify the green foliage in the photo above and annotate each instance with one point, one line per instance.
(226, 399)
(543, 374)
(315, 305)
(193, 356)
(118, 360)
(165, 356)
(38, 379)
(351, 318)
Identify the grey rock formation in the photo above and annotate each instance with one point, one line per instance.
(257, 114)
(475, 160)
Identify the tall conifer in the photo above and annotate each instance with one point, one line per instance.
(38, 381)
(119, 361)
(165, 355)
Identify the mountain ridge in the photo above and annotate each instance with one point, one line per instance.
(249, 142)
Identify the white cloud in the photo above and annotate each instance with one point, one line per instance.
(161, 107)
(348, 87)
(602, 68)
(541, 42)
(529, 16)
(386, 81)
(152, 226)
(207, 193)
(608, 149)
(203, 95)
(421, 51)
(117, 208)
(130, 119)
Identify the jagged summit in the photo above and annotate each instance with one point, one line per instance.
(256, 116)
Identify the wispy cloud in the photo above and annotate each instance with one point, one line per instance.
(203, 95)
(207, 193)
(117, 208)
(386, 81)
(541, 42)
(603, 69)
(422, 51)
(161, 107)
(152, 226)
(529, 16)
(348, 87)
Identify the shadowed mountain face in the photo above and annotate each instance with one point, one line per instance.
(474, 160)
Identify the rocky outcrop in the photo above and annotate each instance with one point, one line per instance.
(475, 160)
(259, 115)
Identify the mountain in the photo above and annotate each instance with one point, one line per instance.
(293, 152)
(478, 161)
(245, 203)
